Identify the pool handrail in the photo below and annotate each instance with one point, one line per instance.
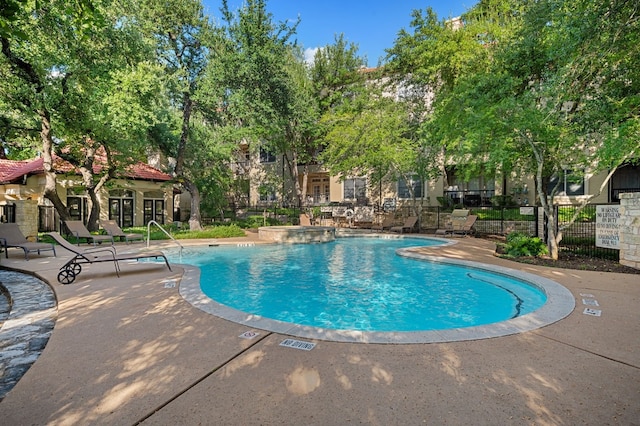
(166, 233)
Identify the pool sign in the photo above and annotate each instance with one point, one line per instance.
(607, 234)
(249, 335)
(527, 211)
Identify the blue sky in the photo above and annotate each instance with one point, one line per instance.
(371, 24)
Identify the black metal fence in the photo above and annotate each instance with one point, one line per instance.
(580, 236)
(491, 220)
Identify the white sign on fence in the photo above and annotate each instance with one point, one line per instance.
(607, 234)
(527, 211)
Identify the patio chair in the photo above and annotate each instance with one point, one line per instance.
(387, 223)
(458, 218)
(72, 268)
(408, 225)
(466, 228)
(12, 237)
(112, 228)
(78, 230)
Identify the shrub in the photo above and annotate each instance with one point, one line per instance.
(222, 231)
(256, 221)
(519, 245)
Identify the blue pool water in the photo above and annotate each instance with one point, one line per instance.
(358, 284)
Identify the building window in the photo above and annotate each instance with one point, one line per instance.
(625, 179)
(266, 156)
(413, 185)
(355, 188)
(571, 183)
(121, 206)
(8, 213)
(77, 204)
(153, 207)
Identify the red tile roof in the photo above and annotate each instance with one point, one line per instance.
(12, 170)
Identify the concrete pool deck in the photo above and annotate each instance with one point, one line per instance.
(131, 350)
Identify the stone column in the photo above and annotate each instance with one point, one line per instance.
(629, 228)
(27, 218)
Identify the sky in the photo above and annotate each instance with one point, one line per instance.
(371, 24)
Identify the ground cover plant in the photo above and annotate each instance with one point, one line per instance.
(521, 245)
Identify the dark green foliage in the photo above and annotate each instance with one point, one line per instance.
(503, 201)
(220, 231)
(519, 245)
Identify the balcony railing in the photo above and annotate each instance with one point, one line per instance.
(317, 199)
(615, 193)
(470, 198)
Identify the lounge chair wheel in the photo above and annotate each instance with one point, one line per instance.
(66, 276)
(76, 268)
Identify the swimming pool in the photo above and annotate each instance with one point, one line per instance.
(359, 288)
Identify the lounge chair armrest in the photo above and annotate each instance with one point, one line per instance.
(111, 250)
(77, 235)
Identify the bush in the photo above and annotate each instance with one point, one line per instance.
(503, 201)
(256, 221)
(519, 245)
(220, 231)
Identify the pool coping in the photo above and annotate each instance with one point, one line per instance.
(560, 303)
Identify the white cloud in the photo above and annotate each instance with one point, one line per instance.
(309, 54)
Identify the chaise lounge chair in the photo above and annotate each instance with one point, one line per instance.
(78, 230)
(408, 225)
(11, 236)
(387, 223)
(466, 228)
(70, 270)
(112, 228)
(458, 218)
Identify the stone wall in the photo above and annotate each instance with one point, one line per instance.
(27, 217)
(629, 228)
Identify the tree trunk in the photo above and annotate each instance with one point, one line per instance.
(94, 211)
(552, 237)
(195, 219)
(305, 180)
(292, 165)
(50, 183)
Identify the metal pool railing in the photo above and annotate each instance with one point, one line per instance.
(166, 233)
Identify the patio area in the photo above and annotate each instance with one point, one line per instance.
(131, 350)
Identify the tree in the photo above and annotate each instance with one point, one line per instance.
(264, 97)
(39, 62)
(362, 130)
(182, 36)
(376, 139)
(429, 62)
(560, 94)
